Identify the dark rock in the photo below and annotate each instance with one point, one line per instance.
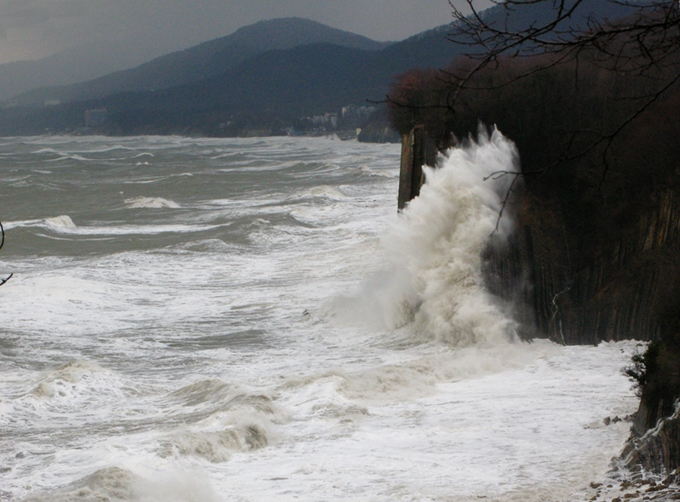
(657, 450)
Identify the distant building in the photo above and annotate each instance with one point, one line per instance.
(52, 102)
(353, 111)
(348, 110)
(96, 118)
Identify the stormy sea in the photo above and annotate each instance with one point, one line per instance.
(217, 320)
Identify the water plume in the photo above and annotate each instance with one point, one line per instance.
(439, 238)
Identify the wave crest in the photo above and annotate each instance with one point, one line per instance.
(151, 203)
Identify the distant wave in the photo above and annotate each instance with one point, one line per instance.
(63, 221)
(61, 155)
(324, 191)
(151, 203)
(154, 180)
(58, 223)
(64, 225)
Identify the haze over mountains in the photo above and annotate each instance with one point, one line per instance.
(78, 64)
(267, 77)
(204, 60)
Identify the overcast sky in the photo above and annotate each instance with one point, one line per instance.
(30, 29)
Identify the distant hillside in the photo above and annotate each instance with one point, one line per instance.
(70, 66)
(205, 60)
(291, 83)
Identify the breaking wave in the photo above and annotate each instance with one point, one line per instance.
(60, 222)
(435, 245)
(151, 203)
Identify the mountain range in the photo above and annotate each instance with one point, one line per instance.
(267, 77)
(204, 60)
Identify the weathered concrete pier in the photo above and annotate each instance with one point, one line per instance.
(417, 150)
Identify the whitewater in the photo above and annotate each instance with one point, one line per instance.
(215, 320)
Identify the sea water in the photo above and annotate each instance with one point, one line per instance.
(251, 320)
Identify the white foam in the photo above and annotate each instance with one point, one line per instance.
(176, 486)
(532, 433)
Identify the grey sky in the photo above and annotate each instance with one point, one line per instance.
(30, 29)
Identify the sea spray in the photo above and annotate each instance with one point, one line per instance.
(439, 237)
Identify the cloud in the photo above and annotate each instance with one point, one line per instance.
(21, 14)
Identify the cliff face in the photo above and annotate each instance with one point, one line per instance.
(656, 449)
(615, 295)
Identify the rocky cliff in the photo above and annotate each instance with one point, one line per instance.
(616, 295)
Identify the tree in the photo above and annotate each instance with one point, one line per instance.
(591, 103)
(642, 49)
